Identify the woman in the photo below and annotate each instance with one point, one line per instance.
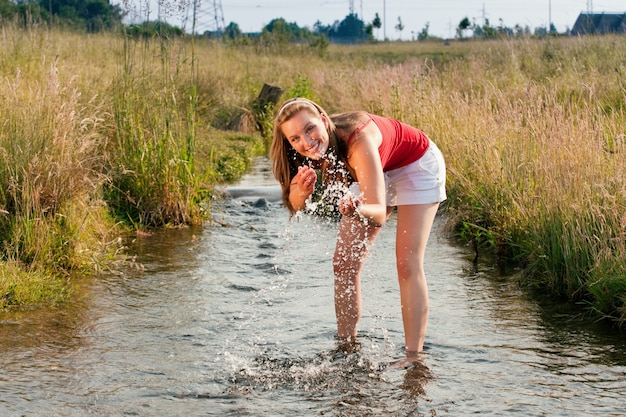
(395, 165)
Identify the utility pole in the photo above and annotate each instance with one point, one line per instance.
(384, 20)
(351, 7)
(484, 15)
(549, 16)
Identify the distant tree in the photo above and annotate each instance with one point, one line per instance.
(464, 24)
(232, 31)
(400, 27)
(377, 23)
(350, 30)
(25, 12)
(282, 31)
(318, 27)
(423, 34)
(369, 31)
(92, 15)
(540, 31)
(485, 31)
(490, 32)
(504, 31)
(350, 27)
(8, 9)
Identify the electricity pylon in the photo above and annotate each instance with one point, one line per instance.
(210, 17)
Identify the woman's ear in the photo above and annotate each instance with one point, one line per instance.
(325, 120)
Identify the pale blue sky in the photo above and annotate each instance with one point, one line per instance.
(442, 15)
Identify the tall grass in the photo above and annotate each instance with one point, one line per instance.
(537, 157)
(115, 136)
(534, 134)
(50, 217)
(152, 149)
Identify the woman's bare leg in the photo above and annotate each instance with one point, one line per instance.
(414, 226)
(354, 240)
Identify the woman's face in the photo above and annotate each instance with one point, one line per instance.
(307, 134)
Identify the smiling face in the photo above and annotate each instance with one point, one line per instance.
(307, 133)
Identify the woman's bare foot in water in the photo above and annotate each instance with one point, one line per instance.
(409, 361)
(349, 346)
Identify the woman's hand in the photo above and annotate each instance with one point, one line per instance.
(350, 203)
(303, 183)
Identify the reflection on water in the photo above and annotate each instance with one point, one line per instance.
(236, 319)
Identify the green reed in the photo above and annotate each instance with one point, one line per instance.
(152, 149)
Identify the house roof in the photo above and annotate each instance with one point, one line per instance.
(599, 23)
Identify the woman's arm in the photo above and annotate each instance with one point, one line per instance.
(364, 158)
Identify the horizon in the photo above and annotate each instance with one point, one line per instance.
(442, 18)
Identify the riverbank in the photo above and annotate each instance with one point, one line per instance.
(107, 135)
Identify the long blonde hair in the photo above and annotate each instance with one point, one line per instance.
(285, 160)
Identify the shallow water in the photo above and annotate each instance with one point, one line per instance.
(237, 319)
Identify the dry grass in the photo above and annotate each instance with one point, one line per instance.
(533, 132)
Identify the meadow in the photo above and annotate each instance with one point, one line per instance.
(104, 135)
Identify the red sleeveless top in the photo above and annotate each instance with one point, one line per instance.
(402, 144)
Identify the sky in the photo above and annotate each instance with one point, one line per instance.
(441, 16)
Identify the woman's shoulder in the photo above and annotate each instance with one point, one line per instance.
(347, 122)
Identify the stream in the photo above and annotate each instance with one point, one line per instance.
(236, 318)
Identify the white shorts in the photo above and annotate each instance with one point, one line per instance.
(420, 182)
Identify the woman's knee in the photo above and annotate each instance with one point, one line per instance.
(409, 269)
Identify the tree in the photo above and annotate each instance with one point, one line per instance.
(93, 15)
(400, 27)
(369, 31)
(489, 32)
(232, 31)
(464, 24)
(282, 31)
(350, 30)
(377, 23)
(423, 35)
(7, 9)
(541, 31)
(26, 12)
